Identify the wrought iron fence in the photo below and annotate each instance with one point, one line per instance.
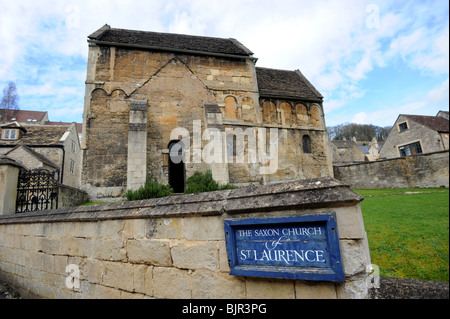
(37, 190)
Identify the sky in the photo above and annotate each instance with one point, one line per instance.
(371, 60)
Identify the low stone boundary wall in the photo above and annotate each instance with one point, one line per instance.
(9, 171)
(173, 247)
(70, 196)
(421, 171)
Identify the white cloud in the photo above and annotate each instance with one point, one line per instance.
(332, 105)
(361, 118)
(440, 95)
(331, 42)
(423, 48)
(361, 69)
(435, 100)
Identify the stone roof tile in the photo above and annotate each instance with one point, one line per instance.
(170, 41)
(284, 83)
(436, 123)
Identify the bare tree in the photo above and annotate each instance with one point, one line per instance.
(362, 132)
(10, 100)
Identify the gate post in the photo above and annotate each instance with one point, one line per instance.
(9, 173)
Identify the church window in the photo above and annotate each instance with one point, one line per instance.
(231, 145)
(306, 141)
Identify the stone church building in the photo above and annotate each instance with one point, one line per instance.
(147, 91)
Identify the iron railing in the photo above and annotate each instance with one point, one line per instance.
(37, 190)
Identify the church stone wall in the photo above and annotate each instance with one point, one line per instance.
(176, 88)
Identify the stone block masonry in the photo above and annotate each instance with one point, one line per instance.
(417, 171)
(136, 97)
(137, 147)
(173, 247)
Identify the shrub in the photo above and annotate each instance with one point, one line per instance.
(227, 186)
(204, 182)
(151, 189)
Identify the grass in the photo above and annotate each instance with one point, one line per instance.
(408, 232)
(92, 203)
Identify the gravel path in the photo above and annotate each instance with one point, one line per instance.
(391, 288)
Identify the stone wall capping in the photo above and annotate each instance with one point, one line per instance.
(311, 193)
(414, 171)
(178, 246)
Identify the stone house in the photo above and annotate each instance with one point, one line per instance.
(443, 114)
(56, 148)
(370, 152)
(150, 93)
(31, 159)
(26, 117)
(346, 152)
(416, 134)
(371, 149)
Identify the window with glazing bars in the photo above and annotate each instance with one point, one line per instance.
(410, 149)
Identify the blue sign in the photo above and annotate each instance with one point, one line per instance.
(302, 247)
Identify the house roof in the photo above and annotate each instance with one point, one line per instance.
(169, 41)
(443, 114)
(287, 84)
(25, 116)
(14, 124)
(42, 135)
(42, 158)
(271, 82)
(344, 144)
(78, 125)
(435, 123)
(5, 160)
(365, 148)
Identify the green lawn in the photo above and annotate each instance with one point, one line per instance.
(408, 232)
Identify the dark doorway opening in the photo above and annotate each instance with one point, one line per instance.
(177, 172)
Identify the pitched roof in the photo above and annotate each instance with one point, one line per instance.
(39, 135)
(287, 84)
(44, 135)
(79, 126)
(40, 157)
(443, 114)
(435, 123)
(169, 41)
(344, 144)
(14, 124)
(364, 148)
(5, 160)
(24, 116)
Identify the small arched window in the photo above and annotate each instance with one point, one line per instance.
(231, 145)
(306, 141)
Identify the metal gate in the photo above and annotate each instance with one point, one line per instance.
(37, 190)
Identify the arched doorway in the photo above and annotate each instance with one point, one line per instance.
(177, 172)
